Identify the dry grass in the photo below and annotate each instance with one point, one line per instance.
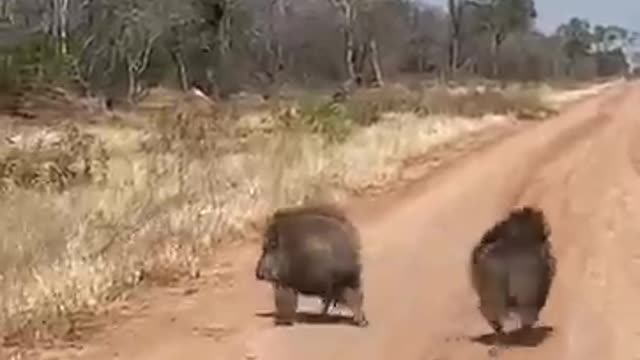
(167, 185)
(65, 159)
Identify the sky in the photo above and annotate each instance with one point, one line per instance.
(551, 13)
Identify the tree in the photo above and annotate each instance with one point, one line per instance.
(599, 37)
(500, 18)
(123, 35)
(455, 16)
(123, 47)
(614, 37)
(360, 43)
(429, 41)
(578, 40)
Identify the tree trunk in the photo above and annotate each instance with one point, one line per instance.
(6, 11)
(54, 29)
(59, 24)
(183, 77)
(275, 62)
(496, 41)
(360, 56)
(454, 42)
(131, 80)
(223, 33)
(64, 18)
(494, 60)
(454, 47)
(349, 51)
(375, 64)
(6, 14)
(350, 57)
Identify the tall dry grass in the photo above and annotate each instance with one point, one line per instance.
(93, 210)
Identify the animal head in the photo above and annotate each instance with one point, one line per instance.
(267, 267)
(532, 219)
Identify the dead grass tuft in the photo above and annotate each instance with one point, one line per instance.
(482, 101)
(337, 120)
(65, 158)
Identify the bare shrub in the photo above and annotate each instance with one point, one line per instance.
(476, 103)
(74, 158)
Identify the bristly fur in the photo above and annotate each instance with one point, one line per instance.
(523, 226)
(323, 210)
(523, 232)
(328, 210)
(313, 250)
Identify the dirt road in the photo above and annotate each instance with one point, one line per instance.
(582, 168)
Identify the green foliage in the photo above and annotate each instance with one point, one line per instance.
(521, 103)
(37, 61)
(124, 47)
(503, 16)
(601, 43)
(578, 37)
(329, 119)
(336, 120)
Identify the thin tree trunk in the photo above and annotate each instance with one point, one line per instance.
(6, 14)
(494, 60)
(223, 33)
(496, 42)
(349, 39)
(183, 77)
(454, 43)
(360, 56)
(54, 30)
(349, 15)
(276, 52)
(6, 11)
(131, 80)
(375, 64)
(63, 26)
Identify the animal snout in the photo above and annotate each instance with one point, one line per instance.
(263, 270)
(260, 273)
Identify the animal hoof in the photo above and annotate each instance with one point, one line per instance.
(361, 322)
(494, 352)
(283, 322)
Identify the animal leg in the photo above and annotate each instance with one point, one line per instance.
(528, 317)
(327, 303)
(286, 301)
(354, 299)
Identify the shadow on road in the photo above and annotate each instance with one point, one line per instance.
(314, 318)
(523, 338)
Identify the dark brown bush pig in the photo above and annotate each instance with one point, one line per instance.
(314, 251)
(513, 267)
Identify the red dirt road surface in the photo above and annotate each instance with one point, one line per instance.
(581, 167)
